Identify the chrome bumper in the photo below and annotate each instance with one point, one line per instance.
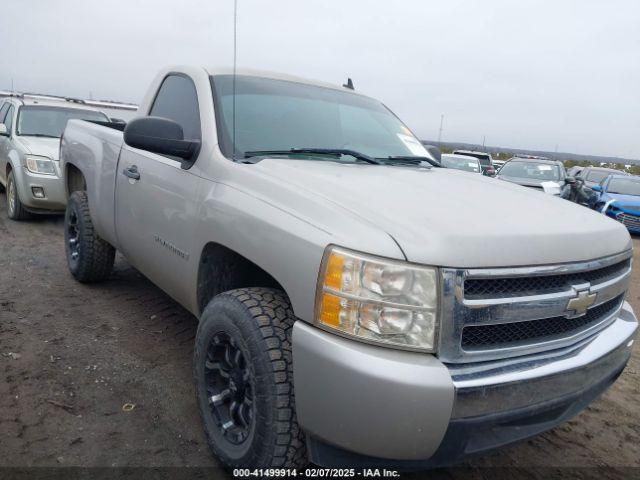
(366, 405)
(506, 386)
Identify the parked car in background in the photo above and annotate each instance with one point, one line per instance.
(434, 152)
(347, 316)
(497, 164)
(533, 173)
(486, 161)
(30, 130)
(574, 171)
(618, 197)
(594, 175)
(461, 162)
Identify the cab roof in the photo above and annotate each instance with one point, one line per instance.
(213, 71)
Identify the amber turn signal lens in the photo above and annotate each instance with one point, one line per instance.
(330, 310)
(333, 275)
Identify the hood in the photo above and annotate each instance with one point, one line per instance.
(624, 199)
(446, 217)
(630, 203)
(43, 146)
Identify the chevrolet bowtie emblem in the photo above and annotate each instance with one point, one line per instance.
(578, 305)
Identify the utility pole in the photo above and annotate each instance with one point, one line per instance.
(440, 131)
(484, 138)
(12, 84)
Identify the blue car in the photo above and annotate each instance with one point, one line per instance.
(618, 197)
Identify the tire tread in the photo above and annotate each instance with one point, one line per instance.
(273, 322)
(97, 256)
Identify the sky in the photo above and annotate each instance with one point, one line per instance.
(523, 74)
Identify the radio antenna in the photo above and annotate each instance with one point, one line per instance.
(235, 61)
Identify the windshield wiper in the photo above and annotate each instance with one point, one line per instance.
(413, 160)
(336, 152)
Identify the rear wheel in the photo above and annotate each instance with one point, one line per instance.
(244, 380)
(15, 209)
(90, 258)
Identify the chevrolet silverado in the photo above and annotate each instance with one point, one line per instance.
(347, 312)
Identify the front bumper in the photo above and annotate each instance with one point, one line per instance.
(52, 185)
(366, 405)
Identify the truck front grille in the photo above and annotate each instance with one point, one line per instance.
(496, 313)
(524, 286)
(505, 334)
(629, 220)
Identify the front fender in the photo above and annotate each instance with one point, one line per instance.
(287, 246)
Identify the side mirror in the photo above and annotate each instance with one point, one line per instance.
(3, 130)
(596, 188)
(162, 136)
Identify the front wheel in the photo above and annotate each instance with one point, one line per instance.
(89, 257)
(244, 380)
(15, 209)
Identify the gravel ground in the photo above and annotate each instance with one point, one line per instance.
(72, 356)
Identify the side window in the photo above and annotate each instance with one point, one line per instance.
(8, 121)
(3, 110)
(177, 100)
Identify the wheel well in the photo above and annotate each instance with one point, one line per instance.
(221, 269)
(75, 179)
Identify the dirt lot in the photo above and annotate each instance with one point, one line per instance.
(73, 355)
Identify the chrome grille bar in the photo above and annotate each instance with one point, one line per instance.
(459, 312)
(629, 220)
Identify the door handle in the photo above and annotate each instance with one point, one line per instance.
(132, 172)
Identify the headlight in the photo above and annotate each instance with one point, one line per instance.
(378, 300)
(42, 165)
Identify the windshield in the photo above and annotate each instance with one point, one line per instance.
(281, 115)
(532, 170)
(467, 164)
(597, 175)
(624, 186)
(51, 121)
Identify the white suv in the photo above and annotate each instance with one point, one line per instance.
(30, 130)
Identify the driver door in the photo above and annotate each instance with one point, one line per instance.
(156, 199)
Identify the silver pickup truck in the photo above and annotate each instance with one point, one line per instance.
(348, 312)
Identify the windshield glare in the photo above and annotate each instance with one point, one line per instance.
(51, 121)
(624, 186)
(531, 170)
(597, 175)
(467, 164)
(280, 115)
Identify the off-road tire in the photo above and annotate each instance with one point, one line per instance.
(95, 257)
(260, 321)
(15, 209)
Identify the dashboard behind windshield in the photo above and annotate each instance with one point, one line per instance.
(51, 121)
(275, 114)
